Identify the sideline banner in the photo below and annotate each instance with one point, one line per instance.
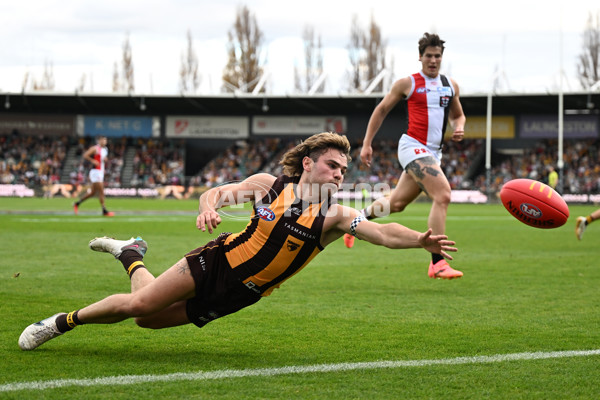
(37, 124)
(292, 125)
(180, 126)
(503, 127)
(183, 192)
(117, 126)
(546, 126)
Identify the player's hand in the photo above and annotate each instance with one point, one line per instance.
(458, 135)
(208, 219)
(366, 155)
(438, 244)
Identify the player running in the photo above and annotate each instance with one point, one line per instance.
(432, 100)
(96, 155)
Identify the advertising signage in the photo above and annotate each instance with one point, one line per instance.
(293, 125)
(207, 127)
(118, 126)
(546, 126)
(37, 124)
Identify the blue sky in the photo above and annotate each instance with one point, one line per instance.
(83, 39)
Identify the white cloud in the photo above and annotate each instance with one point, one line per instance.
(85, 37)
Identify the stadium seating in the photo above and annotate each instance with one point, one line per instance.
(150, 162)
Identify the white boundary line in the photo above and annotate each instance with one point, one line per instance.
(261, 372)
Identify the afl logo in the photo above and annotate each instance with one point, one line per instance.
(530, 210)
(265, 213)
(421, 90)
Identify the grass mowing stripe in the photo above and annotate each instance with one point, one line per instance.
(259, 372)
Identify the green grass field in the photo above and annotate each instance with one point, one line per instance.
(503, 331)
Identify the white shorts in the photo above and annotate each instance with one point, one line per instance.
(96, 175)
(409, 149)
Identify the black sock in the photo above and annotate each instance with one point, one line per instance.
(66, 322)
(436, 258)
(131, 260)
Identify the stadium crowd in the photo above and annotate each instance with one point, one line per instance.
(158, 163)
(241, 159)
(31, 160)
(39, 160)
(581, 166)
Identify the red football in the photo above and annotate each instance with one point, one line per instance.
(534, 203)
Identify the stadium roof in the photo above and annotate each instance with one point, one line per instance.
(249, 104)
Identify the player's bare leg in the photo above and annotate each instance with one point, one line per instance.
(101, 196)
(170, 288)
(430, 178)
(153, 302)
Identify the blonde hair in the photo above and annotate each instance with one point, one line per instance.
(313, 147)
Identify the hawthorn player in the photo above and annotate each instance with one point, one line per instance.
(293, 220)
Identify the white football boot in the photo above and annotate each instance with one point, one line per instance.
(117, 247)
(580, 226)
(39, 333)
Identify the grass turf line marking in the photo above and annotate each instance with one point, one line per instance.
(260, 372)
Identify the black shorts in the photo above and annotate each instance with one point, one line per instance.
(218, 292)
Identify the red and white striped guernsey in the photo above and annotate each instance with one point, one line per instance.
(428, 105)
(100, 156)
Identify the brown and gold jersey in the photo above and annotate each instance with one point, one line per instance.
(283, 235)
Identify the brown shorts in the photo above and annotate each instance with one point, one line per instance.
(218, 292)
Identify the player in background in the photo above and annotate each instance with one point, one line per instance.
(293, 220)
(96, 155)
(432, 100)
(552, 177)
(582, 222)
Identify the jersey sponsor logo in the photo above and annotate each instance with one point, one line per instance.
(292, 246)
(300, 232)
(265, 213)
(295, 210)
(421, 90)
(445, 95)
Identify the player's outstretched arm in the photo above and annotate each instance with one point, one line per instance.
(392, 235)
(252, 188)
(396, 236)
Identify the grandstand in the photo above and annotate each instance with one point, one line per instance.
(203, 141)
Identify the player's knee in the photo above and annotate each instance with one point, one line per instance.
(146, 322)
(397, 206)
(138, 309)
(443, 198)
